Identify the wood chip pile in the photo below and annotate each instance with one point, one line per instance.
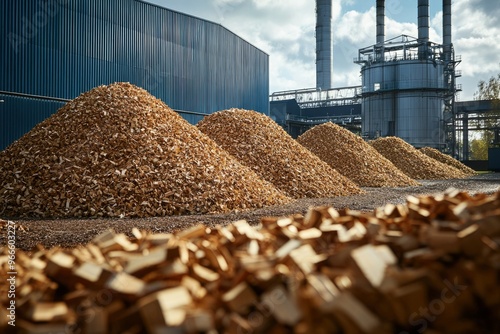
(353, 157)
(261, 144)
(431, 265)
(446, 159)
(117, 151)
(413, 163)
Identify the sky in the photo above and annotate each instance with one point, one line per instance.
(285, 29)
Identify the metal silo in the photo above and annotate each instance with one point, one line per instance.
(407, 81)
(324, 44)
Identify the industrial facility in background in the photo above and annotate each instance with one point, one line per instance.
(408, 84)
(408, 88)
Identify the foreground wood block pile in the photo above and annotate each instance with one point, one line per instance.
(353, 157)
(262, 145)
(414, 163)
(431, 265)
(117, 151)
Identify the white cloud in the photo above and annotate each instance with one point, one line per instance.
(285, 30)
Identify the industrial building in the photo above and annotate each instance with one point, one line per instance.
(408, 88)
(408, 84)
(57, 49)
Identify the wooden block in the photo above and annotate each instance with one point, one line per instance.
(60, 266)
(408, 299)
(26, 327)
(195, 288)
(323, 291)
(372, 261)
(126, 285)
(470, 240)
(311, 233)
(48, 312)
(204, 274)
(139, 266)
(240, 298)
(199, 321)
(445, 241)
(285, 250)
(166, 308)
(173, 270)
(91, 274)
(354, 317)
(302, 257)
(237, 324)
(192, 233)
(279, 302)
(250, 232)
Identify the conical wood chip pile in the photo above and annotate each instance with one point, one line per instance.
(353, 157)
(413, 163)
(430, 265)
(117, 151)
(446, 159)
(261, 144)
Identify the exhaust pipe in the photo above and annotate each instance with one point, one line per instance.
(423, 28)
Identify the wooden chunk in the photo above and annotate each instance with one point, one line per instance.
(373, 261)
(240, 298)
(279, 302)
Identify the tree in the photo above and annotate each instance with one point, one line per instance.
(487, 90)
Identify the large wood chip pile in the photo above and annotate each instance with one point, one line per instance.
(413, 163)
(446, 159)
(117, 151)
(431, 265)
(261, 144)
(353, 157)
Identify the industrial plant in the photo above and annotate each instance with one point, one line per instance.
(408, 88)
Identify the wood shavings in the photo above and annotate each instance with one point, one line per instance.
(261, 144)
(117, 151)
(414, 163)
(353, 157)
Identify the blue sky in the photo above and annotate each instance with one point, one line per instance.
(285, 30)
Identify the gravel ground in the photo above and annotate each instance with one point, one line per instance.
(72, 232)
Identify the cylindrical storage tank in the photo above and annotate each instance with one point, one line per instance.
(403, 99)
(324, 44)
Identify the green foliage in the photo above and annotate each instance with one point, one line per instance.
(479, 149)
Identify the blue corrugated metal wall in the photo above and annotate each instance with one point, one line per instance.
(61, 48)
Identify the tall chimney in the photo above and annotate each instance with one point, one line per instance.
(324, 44)
(423, 28)
(447, 44)
(380, 22)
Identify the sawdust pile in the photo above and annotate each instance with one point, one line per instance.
(117, 151)
(261, 144)
(353, 157)
(446, 159)
(413, 163)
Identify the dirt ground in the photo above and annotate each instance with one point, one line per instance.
(73, 232)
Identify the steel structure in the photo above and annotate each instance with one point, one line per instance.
(324, 45)
(408, 84)
(55, 50)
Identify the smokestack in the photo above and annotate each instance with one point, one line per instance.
(447, 44)
(423, 28)
(380, 22)
(324, 44)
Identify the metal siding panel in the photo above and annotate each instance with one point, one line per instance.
(189, 63)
